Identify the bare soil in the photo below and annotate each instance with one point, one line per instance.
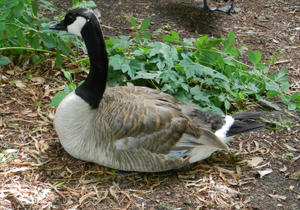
(39, 174)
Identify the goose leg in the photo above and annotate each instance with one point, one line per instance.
(229, 9)
(206, 7)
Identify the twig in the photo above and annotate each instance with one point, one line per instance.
(282, 61)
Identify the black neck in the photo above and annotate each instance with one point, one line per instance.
(93, 88)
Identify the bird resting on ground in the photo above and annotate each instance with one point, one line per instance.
(134, 128)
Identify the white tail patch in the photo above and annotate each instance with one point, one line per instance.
(76, 26)
(221, 133)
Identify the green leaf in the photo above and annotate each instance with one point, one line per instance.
(231, 38)
(48, 40)
(36, 59)
(175, 35)
(35, 42)
(21, 38)
(268, 103)
(59, 59)
(227, 105)
(18, 10)
(254, 57)
(272, 93)
(271, 85)
(68, 76)
(34, 7)
(63, 47)
(145, 25)
(4, 60)
(292, 106)
(58, 98)
(133, 23)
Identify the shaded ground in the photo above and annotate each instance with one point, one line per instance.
(42, 175)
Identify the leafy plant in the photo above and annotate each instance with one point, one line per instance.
(69, 87)
(24, 31)
(204, 71)
(83, 4)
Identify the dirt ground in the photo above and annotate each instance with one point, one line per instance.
(36, 173)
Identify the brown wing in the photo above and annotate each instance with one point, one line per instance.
(142, 118)
(144, 125)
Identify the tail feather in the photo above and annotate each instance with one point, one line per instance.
(244, 122)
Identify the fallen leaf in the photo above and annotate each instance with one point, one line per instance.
(1, 122)
(283, 169)
(86, 196)
(295, 176)
(11, 151)
(255, 161)
(13, 171)
(10, 72)
(113, 193)
(47, 91)
(38, 80)
(17, 68)
(265, 172)
(19, 84)
(290, 148)
(279, 197)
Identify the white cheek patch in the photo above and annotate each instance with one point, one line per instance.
(76, 26)
(221, 133)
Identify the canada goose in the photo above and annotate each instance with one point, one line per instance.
(134, 128)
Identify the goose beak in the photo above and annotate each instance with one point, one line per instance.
(59, 26)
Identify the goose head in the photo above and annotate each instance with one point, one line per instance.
(85, 23)
(76, 20)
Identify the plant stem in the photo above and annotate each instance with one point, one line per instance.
(33, 49)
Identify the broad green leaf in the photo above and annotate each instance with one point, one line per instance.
(34, 7)
(175, 35)
(59, 59)
(63, 47)
(58, 98)
(21, 38)
(168, 38)
(272, 93)
(227, 105)
(36, 59)
(254, 57)
(4, 60)
(35, 42)
(48, 40)
(271, 85)
(2, 26)
(292, 106)
(201, 42)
